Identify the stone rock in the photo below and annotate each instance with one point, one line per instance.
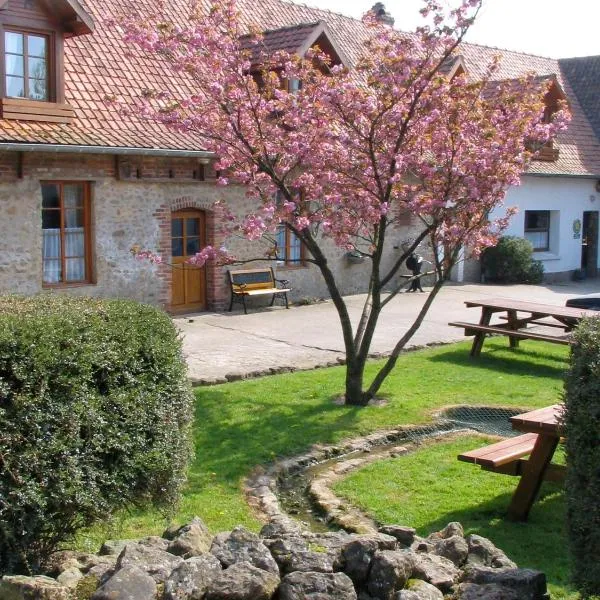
(157, 563)
(490, 591)
(114, 547)
(483, 552)
(309, 560)
(90, 561)
(154, 541)
(417, 589)
(70, 577)
(20, 587)
(501, 561)
(452, 529)
(437, 570)
(294, 553)
(404, 535)
(282, 547)
(61, 561)
(192, 539)
(527, 583)
(356, 559)
(316, 586)
(69, 559)
(422, 545)
(383, 540)
(280, 526)
(190, 580)
(332, 540)
(243, 545)
(454, 548)
(130, 583)
(357, 554)
(242, 581)
(390, 570)
(101, 572)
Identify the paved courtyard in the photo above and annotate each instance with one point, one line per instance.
(226, 346)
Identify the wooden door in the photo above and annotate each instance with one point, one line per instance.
(188, 236)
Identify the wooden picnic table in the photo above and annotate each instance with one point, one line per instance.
(545, 423)
(541, 434)
(516, 315)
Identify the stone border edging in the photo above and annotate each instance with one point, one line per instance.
(260, 487)
(340, 360)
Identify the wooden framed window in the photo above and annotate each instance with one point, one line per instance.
(537, 229)
(66, 235)
(27, 65)
(290, 251)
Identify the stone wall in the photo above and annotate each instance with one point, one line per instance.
(137, 211)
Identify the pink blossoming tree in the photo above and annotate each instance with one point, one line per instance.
(343, 156)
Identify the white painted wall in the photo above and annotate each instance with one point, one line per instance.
(568, 198)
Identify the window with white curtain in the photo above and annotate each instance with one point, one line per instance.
(65, 229)
(537, 229)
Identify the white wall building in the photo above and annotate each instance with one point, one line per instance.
(559, 216)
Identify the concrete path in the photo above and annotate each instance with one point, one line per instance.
(229, 346)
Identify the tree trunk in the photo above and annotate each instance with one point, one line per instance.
(355, 396)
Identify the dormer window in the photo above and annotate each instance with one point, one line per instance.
(297, 39)
(32, 36)
(26, 65)
(552, 100)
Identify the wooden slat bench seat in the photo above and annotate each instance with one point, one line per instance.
(539, 322)
(257, 282)
(501, 453)
(506, 457)
(473, 328)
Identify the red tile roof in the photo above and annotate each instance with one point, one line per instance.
(584, 76)
(101, 63)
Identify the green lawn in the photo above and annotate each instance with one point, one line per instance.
(429, 488)
(248, 423)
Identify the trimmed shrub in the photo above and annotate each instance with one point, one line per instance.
(511, 261)
(95, 416)
(582, 430)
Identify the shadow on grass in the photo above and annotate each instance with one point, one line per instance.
(231, 440)
(512, 361)
(539, 543)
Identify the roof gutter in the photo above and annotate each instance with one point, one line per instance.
(565, 175)
(82, 149)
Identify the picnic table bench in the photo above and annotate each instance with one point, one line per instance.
(516, 318)
(506, 457)
(257, 282)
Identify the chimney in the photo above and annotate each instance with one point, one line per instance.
(382, 15)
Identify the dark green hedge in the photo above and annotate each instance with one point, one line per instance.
(95, 415)
(582, 429)
(511, 261)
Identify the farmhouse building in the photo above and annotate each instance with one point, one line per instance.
(81, 182)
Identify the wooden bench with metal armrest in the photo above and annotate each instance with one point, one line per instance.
(257, 282)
